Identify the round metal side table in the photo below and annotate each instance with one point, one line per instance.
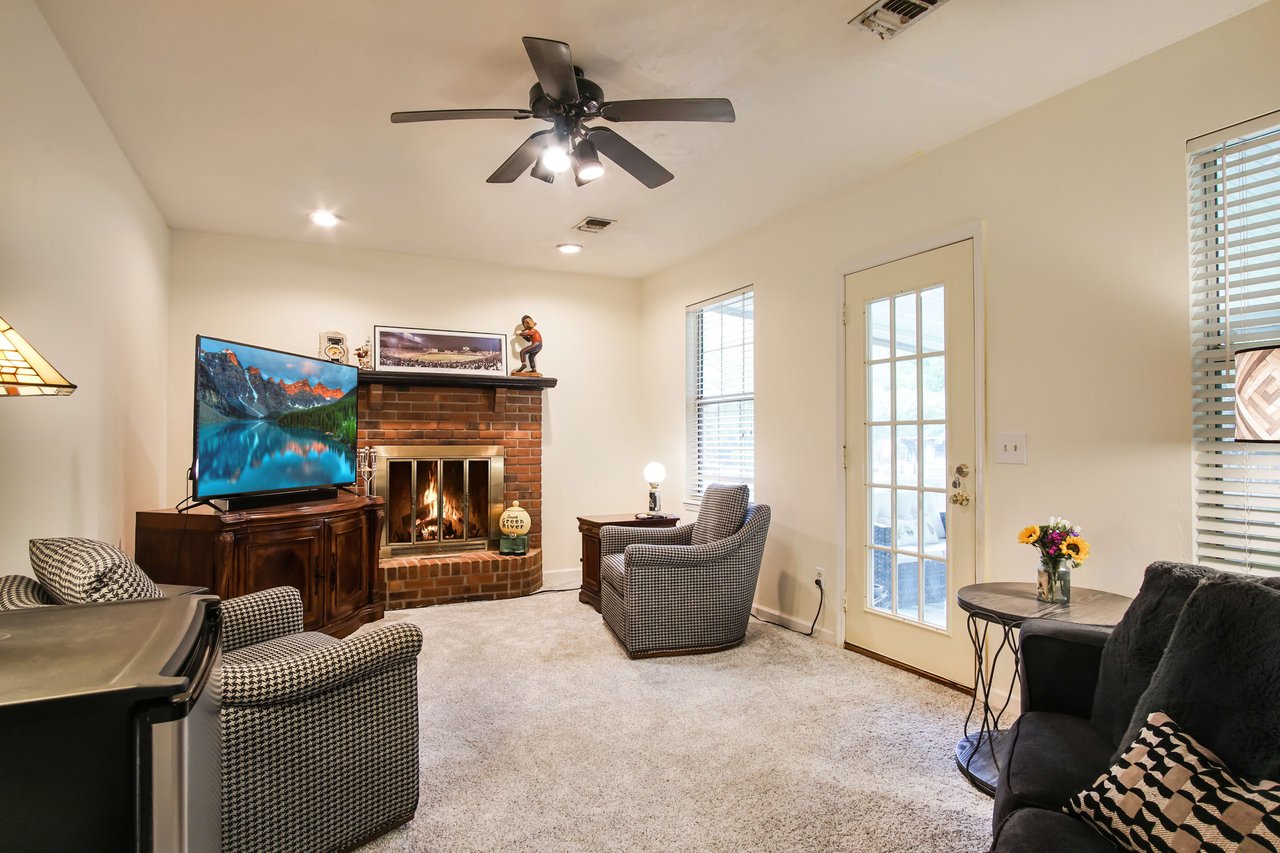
(980, 754)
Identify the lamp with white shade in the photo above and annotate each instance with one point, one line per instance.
(654, 474)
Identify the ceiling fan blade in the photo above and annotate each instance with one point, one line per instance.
(642, 167)
(447, 115)
(669, 109)
(522, 158)
(554, 66)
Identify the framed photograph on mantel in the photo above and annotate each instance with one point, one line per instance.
(405, 350)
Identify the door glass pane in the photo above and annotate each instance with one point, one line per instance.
(933, 378)
(907, 450)
(905, 373)
(908, 587)
(878, 329)
(881, 454)
(881, 393)
(880, 574)
(906, 517)
(934, 524)
(932, 320)
(934, 454)
(935, 593)
(904, 324)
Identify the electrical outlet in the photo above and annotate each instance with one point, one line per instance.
(822, 576)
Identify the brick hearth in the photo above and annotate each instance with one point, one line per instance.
(409, 415)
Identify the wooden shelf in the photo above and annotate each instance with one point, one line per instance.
(454, 380)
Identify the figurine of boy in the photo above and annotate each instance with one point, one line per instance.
(529, 353)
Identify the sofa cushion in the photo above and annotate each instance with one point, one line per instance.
(721, 513)
(19, 592)
(1133, 650)
(81, 571)
(1053, 757)
(1167, 792)
(1039, 829)
(613, 571)
(1220, 675)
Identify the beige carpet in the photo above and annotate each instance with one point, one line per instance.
(539, 734)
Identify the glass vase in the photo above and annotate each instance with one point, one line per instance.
(1053, 580)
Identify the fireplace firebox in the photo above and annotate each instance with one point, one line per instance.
(439, 500)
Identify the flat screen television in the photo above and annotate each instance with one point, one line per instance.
(270, 423)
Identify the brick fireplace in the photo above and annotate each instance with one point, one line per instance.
(413, 415)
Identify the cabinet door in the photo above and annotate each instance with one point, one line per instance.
(288, 556)
(348, 580)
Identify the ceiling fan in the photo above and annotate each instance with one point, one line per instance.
(566, 99)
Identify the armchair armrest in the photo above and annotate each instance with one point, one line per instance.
(260, 616)
(615, 538)
(1059, 665)
(322, 669)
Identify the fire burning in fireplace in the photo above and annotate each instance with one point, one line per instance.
(448, 500)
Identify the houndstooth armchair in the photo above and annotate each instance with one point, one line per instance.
(319, 735)
(688, 589)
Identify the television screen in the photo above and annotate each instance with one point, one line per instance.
(271, 421)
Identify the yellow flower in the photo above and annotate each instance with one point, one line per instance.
(1076, 548)
(1029, 534)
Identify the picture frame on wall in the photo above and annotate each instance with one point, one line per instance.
(402, 349)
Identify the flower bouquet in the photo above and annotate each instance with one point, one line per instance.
(1061, 549)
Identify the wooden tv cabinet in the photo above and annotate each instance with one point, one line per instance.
(327, 549)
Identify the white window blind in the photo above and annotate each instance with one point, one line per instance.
(1234, 179)
(720, 385)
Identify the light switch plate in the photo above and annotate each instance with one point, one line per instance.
(1011, 448)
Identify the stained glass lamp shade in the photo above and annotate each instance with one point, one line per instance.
(1258, 394)
(23, 371)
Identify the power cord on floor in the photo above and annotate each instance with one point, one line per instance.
(541, 591)
(822, 594)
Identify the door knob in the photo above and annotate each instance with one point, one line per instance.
(960, 498)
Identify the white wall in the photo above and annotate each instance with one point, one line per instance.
(1083, 202)
(83, 260)
(283, 294)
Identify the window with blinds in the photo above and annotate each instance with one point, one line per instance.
(720, 385)
(1234, 179)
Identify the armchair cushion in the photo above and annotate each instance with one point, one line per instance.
(613, 571)
(82, 571)
(721, 513)
(1220, 676)
(1039, 829)
(19, 592)
(260, 616)
(1054, 757)
(286, 646)
(1133, 651)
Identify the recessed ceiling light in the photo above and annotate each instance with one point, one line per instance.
(324, 218)
(569, 248)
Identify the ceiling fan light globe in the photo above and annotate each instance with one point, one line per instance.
(554, 159)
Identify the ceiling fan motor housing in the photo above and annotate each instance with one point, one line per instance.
(590, 97)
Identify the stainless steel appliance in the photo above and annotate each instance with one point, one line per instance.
(109, 726)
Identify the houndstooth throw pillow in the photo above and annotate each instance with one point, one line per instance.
(721, 513)
(1170, 794)
(81, 571)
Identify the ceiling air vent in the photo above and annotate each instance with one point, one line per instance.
(890, 17)
(594, 224)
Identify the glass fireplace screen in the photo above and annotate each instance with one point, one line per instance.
(443, 500)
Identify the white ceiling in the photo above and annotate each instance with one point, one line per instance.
(240, 116)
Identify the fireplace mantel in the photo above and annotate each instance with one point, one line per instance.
(453, 380)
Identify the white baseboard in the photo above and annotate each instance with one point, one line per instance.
(561, 578)
(822, 635)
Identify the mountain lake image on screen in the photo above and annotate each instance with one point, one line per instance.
(270, 421)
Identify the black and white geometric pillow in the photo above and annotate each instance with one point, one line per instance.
(19, 592)
(80, 571)
(1168, 793)
(721, 513)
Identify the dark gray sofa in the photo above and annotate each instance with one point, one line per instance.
(1086, 690)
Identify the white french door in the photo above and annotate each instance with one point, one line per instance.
(911, 450)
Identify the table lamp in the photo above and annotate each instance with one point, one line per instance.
(654, 474)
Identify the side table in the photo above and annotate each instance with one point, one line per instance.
(589, 526)
(980, 754)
